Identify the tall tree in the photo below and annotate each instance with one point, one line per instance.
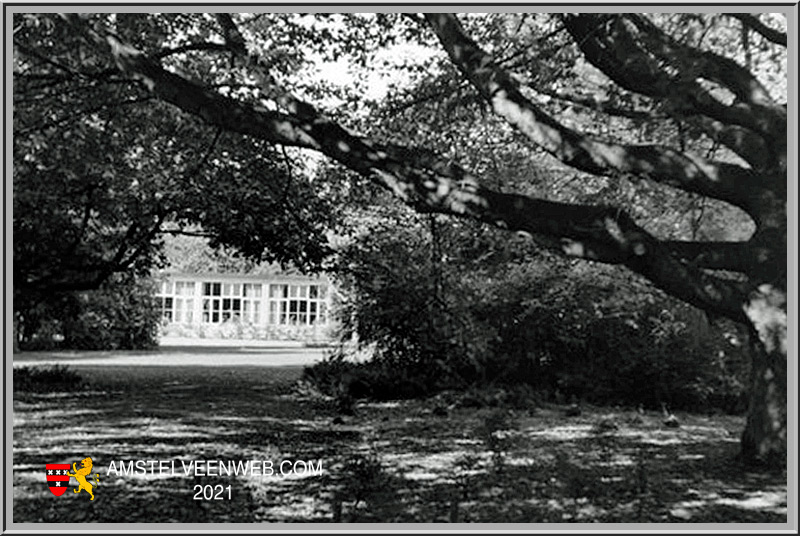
(660, 69)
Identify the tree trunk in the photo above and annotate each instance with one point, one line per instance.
(764, 437)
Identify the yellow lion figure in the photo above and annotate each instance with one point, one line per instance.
(80, 476)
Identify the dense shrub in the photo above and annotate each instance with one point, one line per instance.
(121, 314)
(569, 329)
(377, 379)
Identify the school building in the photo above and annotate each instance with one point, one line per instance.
(230, 306)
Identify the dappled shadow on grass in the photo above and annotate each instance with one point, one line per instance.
(424, 468)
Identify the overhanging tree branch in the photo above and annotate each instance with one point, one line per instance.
(779, 38)
(609, 43)
(703, 64)
(731, 256)
(605, 107)
(189, 47)
(752, 147)
(719, 180)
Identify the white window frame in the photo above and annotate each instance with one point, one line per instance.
(292, 304)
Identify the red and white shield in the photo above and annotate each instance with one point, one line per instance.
(57, 477)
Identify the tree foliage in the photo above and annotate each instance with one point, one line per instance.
(102, 170)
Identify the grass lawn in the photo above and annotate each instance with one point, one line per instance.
(391, 462)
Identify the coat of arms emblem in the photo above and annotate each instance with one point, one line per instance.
(57, 477)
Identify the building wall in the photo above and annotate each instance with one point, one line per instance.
(246, 307)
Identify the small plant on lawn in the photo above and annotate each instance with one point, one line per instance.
(49, 379)
(493, 431)
(366, 481)
(465, 466)
(581, 482)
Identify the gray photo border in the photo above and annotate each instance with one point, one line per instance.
(6, 495)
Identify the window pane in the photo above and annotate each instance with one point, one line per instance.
(168, 303)
(257, 289)
(206, 289)
(293, 291)
(303, 306)
(226, 316)
(216, 289)
(226, 289)
(312, 291)
(237, 289)
(276, 291)
(226, 304)
(323, 291)
(215, 305)
(303, 291)
(293, 306)
(237, 304)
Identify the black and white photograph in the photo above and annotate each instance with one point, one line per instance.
(355, 266)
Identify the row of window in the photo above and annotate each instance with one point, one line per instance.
(289, 304)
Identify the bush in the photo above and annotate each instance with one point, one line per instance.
(377, 380)
(121, 314)
(51, 379)
(567, 329)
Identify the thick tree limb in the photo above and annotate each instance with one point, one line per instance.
(605, 107)
(726, 182)
(770, 34)
(731, 256)
(691, 61)
(751, 147)
(189, 47)
(608, 43)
